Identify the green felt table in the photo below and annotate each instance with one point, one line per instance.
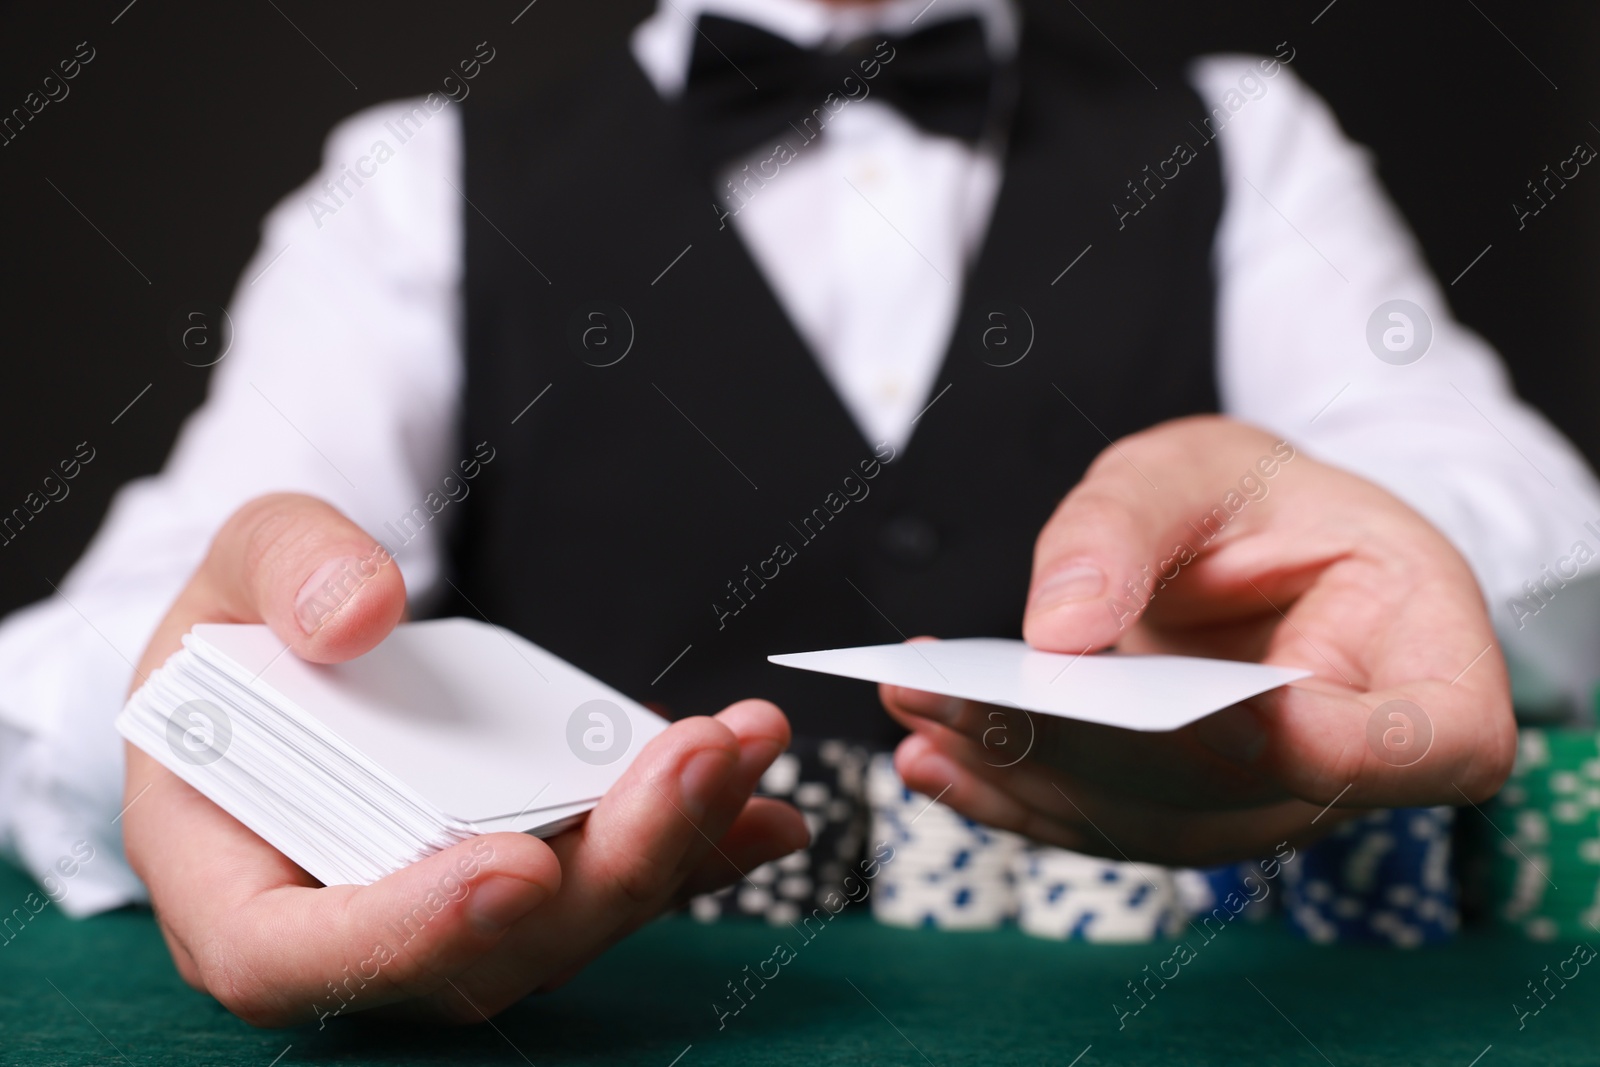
(104, 992)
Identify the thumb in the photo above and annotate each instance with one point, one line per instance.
(326, 588)
(1144, 510)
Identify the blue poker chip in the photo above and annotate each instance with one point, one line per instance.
(1383, 878)
(1205, 890)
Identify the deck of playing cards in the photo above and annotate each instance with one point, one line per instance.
(447, 729)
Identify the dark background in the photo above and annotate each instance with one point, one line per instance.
(194, 118)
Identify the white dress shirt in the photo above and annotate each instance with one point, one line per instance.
(345, 375)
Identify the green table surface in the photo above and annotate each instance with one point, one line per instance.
(103, 991)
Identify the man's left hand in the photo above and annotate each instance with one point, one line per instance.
(1207, 537)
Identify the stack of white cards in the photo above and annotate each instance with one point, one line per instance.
(447, 729)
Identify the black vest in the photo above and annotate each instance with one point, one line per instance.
(667, 519)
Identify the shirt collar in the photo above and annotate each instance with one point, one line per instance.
(662, 44)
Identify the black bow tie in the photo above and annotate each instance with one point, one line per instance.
(748, 88)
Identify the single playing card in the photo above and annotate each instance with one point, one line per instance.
(1149, 693)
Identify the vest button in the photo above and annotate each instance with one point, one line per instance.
(909, 540)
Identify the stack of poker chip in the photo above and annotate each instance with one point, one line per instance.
(1202, 891)
(947, 872)
(826, 781)
(1545, 870)
(1382, 878)
(951, 873)
(1067, 896)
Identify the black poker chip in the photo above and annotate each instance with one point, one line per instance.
(826, 780)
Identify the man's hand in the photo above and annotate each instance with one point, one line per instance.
(1206, 537)
(518, 914)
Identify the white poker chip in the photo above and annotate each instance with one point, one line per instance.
(1096, 900)
(949, 872)
(884, 788)
(950, 907)
(943, 856)
(1084, 920)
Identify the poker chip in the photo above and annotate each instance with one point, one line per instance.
(1383, 878)
(1201, 892)
(952, 873)
(944, 903)
(948, 872)
(826, 781)
(1544, 851)
(1064, 895)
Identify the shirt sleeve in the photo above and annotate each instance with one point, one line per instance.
(1310, 258)
(343, 381)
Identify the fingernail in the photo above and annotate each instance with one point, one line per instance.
(1235, 734)
(329, 586)
(496, 905)
(1080, 581)
(701, 779)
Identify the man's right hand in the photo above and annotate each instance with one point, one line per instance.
(251, 928)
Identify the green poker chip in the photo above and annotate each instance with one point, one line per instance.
(1543, 864)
